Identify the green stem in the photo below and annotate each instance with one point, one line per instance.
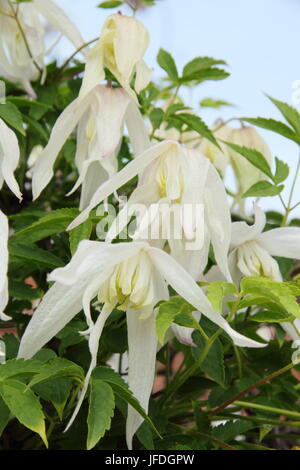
(260, 382)
(289, 207)
(64, 65)
(258, 406)
(257, 419)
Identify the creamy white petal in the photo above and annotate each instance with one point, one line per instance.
(142, 343)
(58, 18)
(143, 76)
(137, 130)
(284, 241)
(184, 334)
(218, 219)
(3, 265)
(65, 124)
(185, 286)
(94, 70)
(9, 158)
(242, 232)
(126, 174)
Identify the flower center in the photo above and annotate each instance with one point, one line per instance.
(253, 260)
(131, 284)
(170, 177)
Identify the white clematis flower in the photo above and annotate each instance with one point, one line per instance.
(3, 266)
(99, 118)
(134, 276)
(218, 156)
(172, 174)
(252, 250)
(120, 49)
(9, 158)
(16, 64)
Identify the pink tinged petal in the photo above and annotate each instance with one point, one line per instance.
(242, 232)
(58, 18)
(3, 266)
(9, 158)
(137, 130)
(126, 174)
(284, 241)
(218, 219)
(95, 334)
(292, 329)
(185, 286)
(65, 124)
(142, 342)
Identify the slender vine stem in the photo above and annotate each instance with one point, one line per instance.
(64, 65)
(260, 382)
(289, 206)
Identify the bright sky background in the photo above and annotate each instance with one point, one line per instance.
(260, 40)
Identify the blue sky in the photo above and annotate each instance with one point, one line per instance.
(260, 40)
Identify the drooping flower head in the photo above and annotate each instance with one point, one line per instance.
(100, 119)
(134, 276)
(120, 49)
(27, 33)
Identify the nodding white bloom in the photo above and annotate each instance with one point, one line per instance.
(3, 266)
(99, 119)
(252, 250)
(245, 173)
(293, 330)
(218, 156)
(171, 176)
(133, 276)
(34, 155)
(120, 49)
(16, 64)
(9, 158)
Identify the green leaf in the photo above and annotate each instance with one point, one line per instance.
(55, 222)
(255, 157)
(212, 103)
(4, 416)
(110, 4)
(282, 171)
(275, 126)
(12, 116)
(122, 390)
(200, 63)
(283, 293)
(166, 61)
(21, 253)
(156, 118)
(57, 367)
(101, 411)
(82, 232)
(291, 114)
(228, 431)
(217, 290)
(25, 406)
(37, 127)
(202, 420)
(56, 391)
(20, 290)
(263, 188)
(205, 74)
(268, 316)
(19, 368)
(213, 364)
(195, 123)
(168, 311)
(264, 431)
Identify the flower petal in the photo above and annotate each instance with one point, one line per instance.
(218, 219)
(242, 232)
(65, 124)
(137, 130)
(58, 18)
(126, 174)
(185, 286)
(3, 265)
(142, 342)
(143, 76)
(284, 241)
(9, 158)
